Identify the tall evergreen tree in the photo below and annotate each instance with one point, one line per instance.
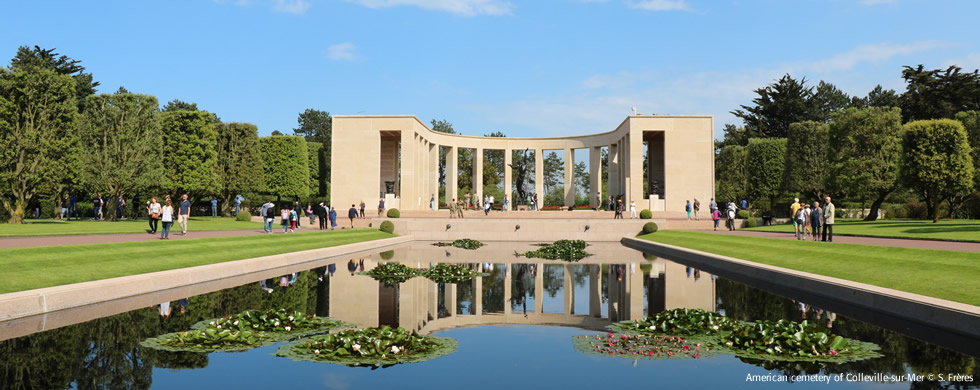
(239, 163)
(777, 105)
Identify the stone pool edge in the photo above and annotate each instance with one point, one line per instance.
(28, 303)
(948, 315)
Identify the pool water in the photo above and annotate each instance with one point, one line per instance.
(514, 329)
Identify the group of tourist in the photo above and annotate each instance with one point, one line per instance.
(290, 217)
(808, 221)
(165, 214)
(729, 212)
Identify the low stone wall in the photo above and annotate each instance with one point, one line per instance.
(873, 304)
(50, 299)
(539, 230)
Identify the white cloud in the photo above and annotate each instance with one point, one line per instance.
(662, 5)
(458, 7)
(342, 52)
(873, 53)
(876, 2)
(297, 7)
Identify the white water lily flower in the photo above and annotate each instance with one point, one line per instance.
(290, 318)
(316, 351)
(355, 347)
(211, 323)
(219, 326)
(715, 327)
(287, 329)
(235, 323)
(653, 327)
(277, 323)
(394, 349)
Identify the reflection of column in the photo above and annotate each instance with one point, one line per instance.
(595, 175)
(452, 173)
(613, 290)
(508, 177)
(433, 299)
(569, 291)
(478, 295)
(595, 291)
(569, 177)
(478, 175)
(539, 288)
(451, 299)
(539, 175)
(634, 292)
(507, 286)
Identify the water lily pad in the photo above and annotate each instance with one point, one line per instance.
(567, 250)
(371, 347)
(463, 243)
(451, 273)
(679, 322)
(642, 346)
(391, 273)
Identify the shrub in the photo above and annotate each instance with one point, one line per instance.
(915, 210)
(646, 214)
(387, 255)
(840, 213)
(387, 227)
(649, 227)
(244, 216)
(751, 223)
(394, 213)
(742, 214)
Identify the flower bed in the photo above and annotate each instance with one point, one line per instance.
(451, 273)
(383, 346)
(391, 273)
(242, 331)
(567, 250)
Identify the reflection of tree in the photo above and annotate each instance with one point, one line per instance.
(493, 290)
(41, 361)
(176, 360)
(900, 352)
(554, 278)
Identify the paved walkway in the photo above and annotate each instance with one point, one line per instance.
(899, 242)
(31, 241)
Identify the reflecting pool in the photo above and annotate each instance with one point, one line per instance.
(514, 328)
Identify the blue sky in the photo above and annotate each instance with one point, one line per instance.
(526, 68)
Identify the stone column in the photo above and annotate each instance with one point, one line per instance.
(508, 178)
(569, 177)
(539, 175)
(452, 173)
(613, 170)
(539, 288)
(478, 175)
(635, 175)
(595, 290)
(434, 171)
(508, 295)
(595, 175)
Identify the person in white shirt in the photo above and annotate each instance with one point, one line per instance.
(167, 217)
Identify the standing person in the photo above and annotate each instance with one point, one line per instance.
(268, 213)
(73, 208)
(284, 219)
(619, 210)
(612, 205)
(321, 212)
(298, 210)
(167, 215)
(352, 213)
(468, 200)
(238, 203)
(506, 204)
(799, 219)
(697, 209)
(492, 201)
(310, 214)
(687, 207)
(828, 220)
(730, 214)
(486, 205)
(633, 210)
(153, 209)
(184, 214)
(806, 222)
(716, 217)
(815, 220)
(214, 207)
(452, 209)
(293, 220)
(333, 218)
(459, 208)
(362, 209)
(712, 206)
(120, 207)
(793, 210)
(66, 208)
(381, 206)
(536, 204)
(97, 208)
(432, 202)
(745, 204)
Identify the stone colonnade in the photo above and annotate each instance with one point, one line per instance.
(360, 173)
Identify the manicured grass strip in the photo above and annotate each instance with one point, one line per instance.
(950, 275)
(951, 229)
(37, 267)
(61, 228)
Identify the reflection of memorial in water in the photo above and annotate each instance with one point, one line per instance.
(613, 285)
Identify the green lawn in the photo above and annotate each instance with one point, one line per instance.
(61, 228)
(37, 267)
(950, 229)
(942, 274)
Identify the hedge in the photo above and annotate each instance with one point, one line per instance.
(394, 213)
